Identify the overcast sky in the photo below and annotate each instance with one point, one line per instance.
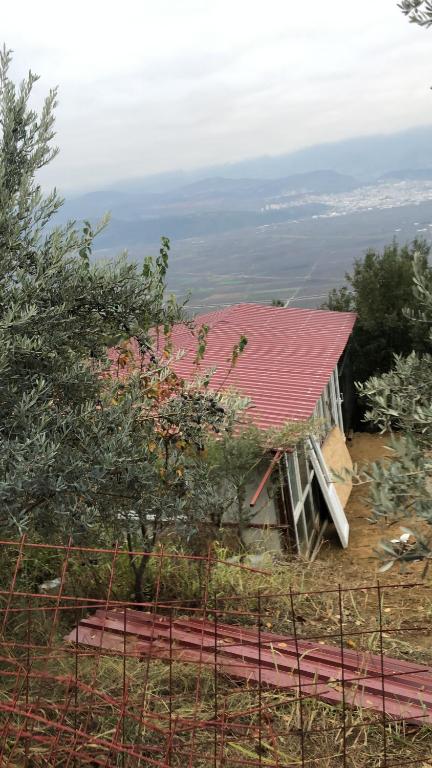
(155, 86)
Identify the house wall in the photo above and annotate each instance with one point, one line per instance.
(292, 478)
(333, 444)
(329, 407)
(301, 494)
(264, 513)
(339, 462)
(346, 380)
(304, 502)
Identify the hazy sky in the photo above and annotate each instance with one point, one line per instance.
(167, 84)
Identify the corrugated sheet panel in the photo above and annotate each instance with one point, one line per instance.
(395, 688)
(288, 360)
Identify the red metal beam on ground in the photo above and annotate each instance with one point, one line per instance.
(308, 669)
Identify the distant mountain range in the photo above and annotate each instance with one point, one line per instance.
(208, 194)
(221, 198)
(408, 174)
(367, 158)
(288, 226)
(208, 206)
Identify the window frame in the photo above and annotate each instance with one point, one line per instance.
(300, 518)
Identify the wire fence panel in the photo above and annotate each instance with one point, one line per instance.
(213, 668)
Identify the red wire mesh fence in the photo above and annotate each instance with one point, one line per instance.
(215, 667)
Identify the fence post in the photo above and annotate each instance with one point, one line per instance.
(300, 691)
(216, 711)
(384, 720)
(342, 657)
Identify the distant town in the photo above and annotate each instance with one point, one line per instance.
(382, 195)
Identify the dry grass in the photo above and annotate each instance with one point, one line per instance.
(274, 739)
(185, 698)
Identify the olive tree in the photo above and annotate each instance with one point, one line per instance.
(399, 402)
(87, 451)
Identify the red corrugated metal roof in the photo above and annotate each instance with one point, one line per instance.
(288, 360)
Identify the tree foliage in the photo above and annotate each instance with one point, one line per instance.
(82, 454)
(58, 315)
(402, 398)
(400, 402)
(380, 290)
(418, 11)
(235, 457)
(100, 440)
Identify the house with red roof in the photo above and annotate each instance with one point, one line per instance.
(290, 370)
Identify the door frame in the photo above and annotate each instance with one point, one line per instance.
(329, 491)
(306, 528)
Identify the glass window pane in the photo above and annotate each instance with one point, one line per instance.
(302, 535)
(326, 411)
(333, 405)
(303, 468)
(320, 508)
(327, 402)
(321, 419)
(311, 516)
(292, 476)
(338, 399)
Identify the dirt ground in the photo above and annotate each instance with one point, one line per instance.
(364, 535)
(360, 562)
(409, 609)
